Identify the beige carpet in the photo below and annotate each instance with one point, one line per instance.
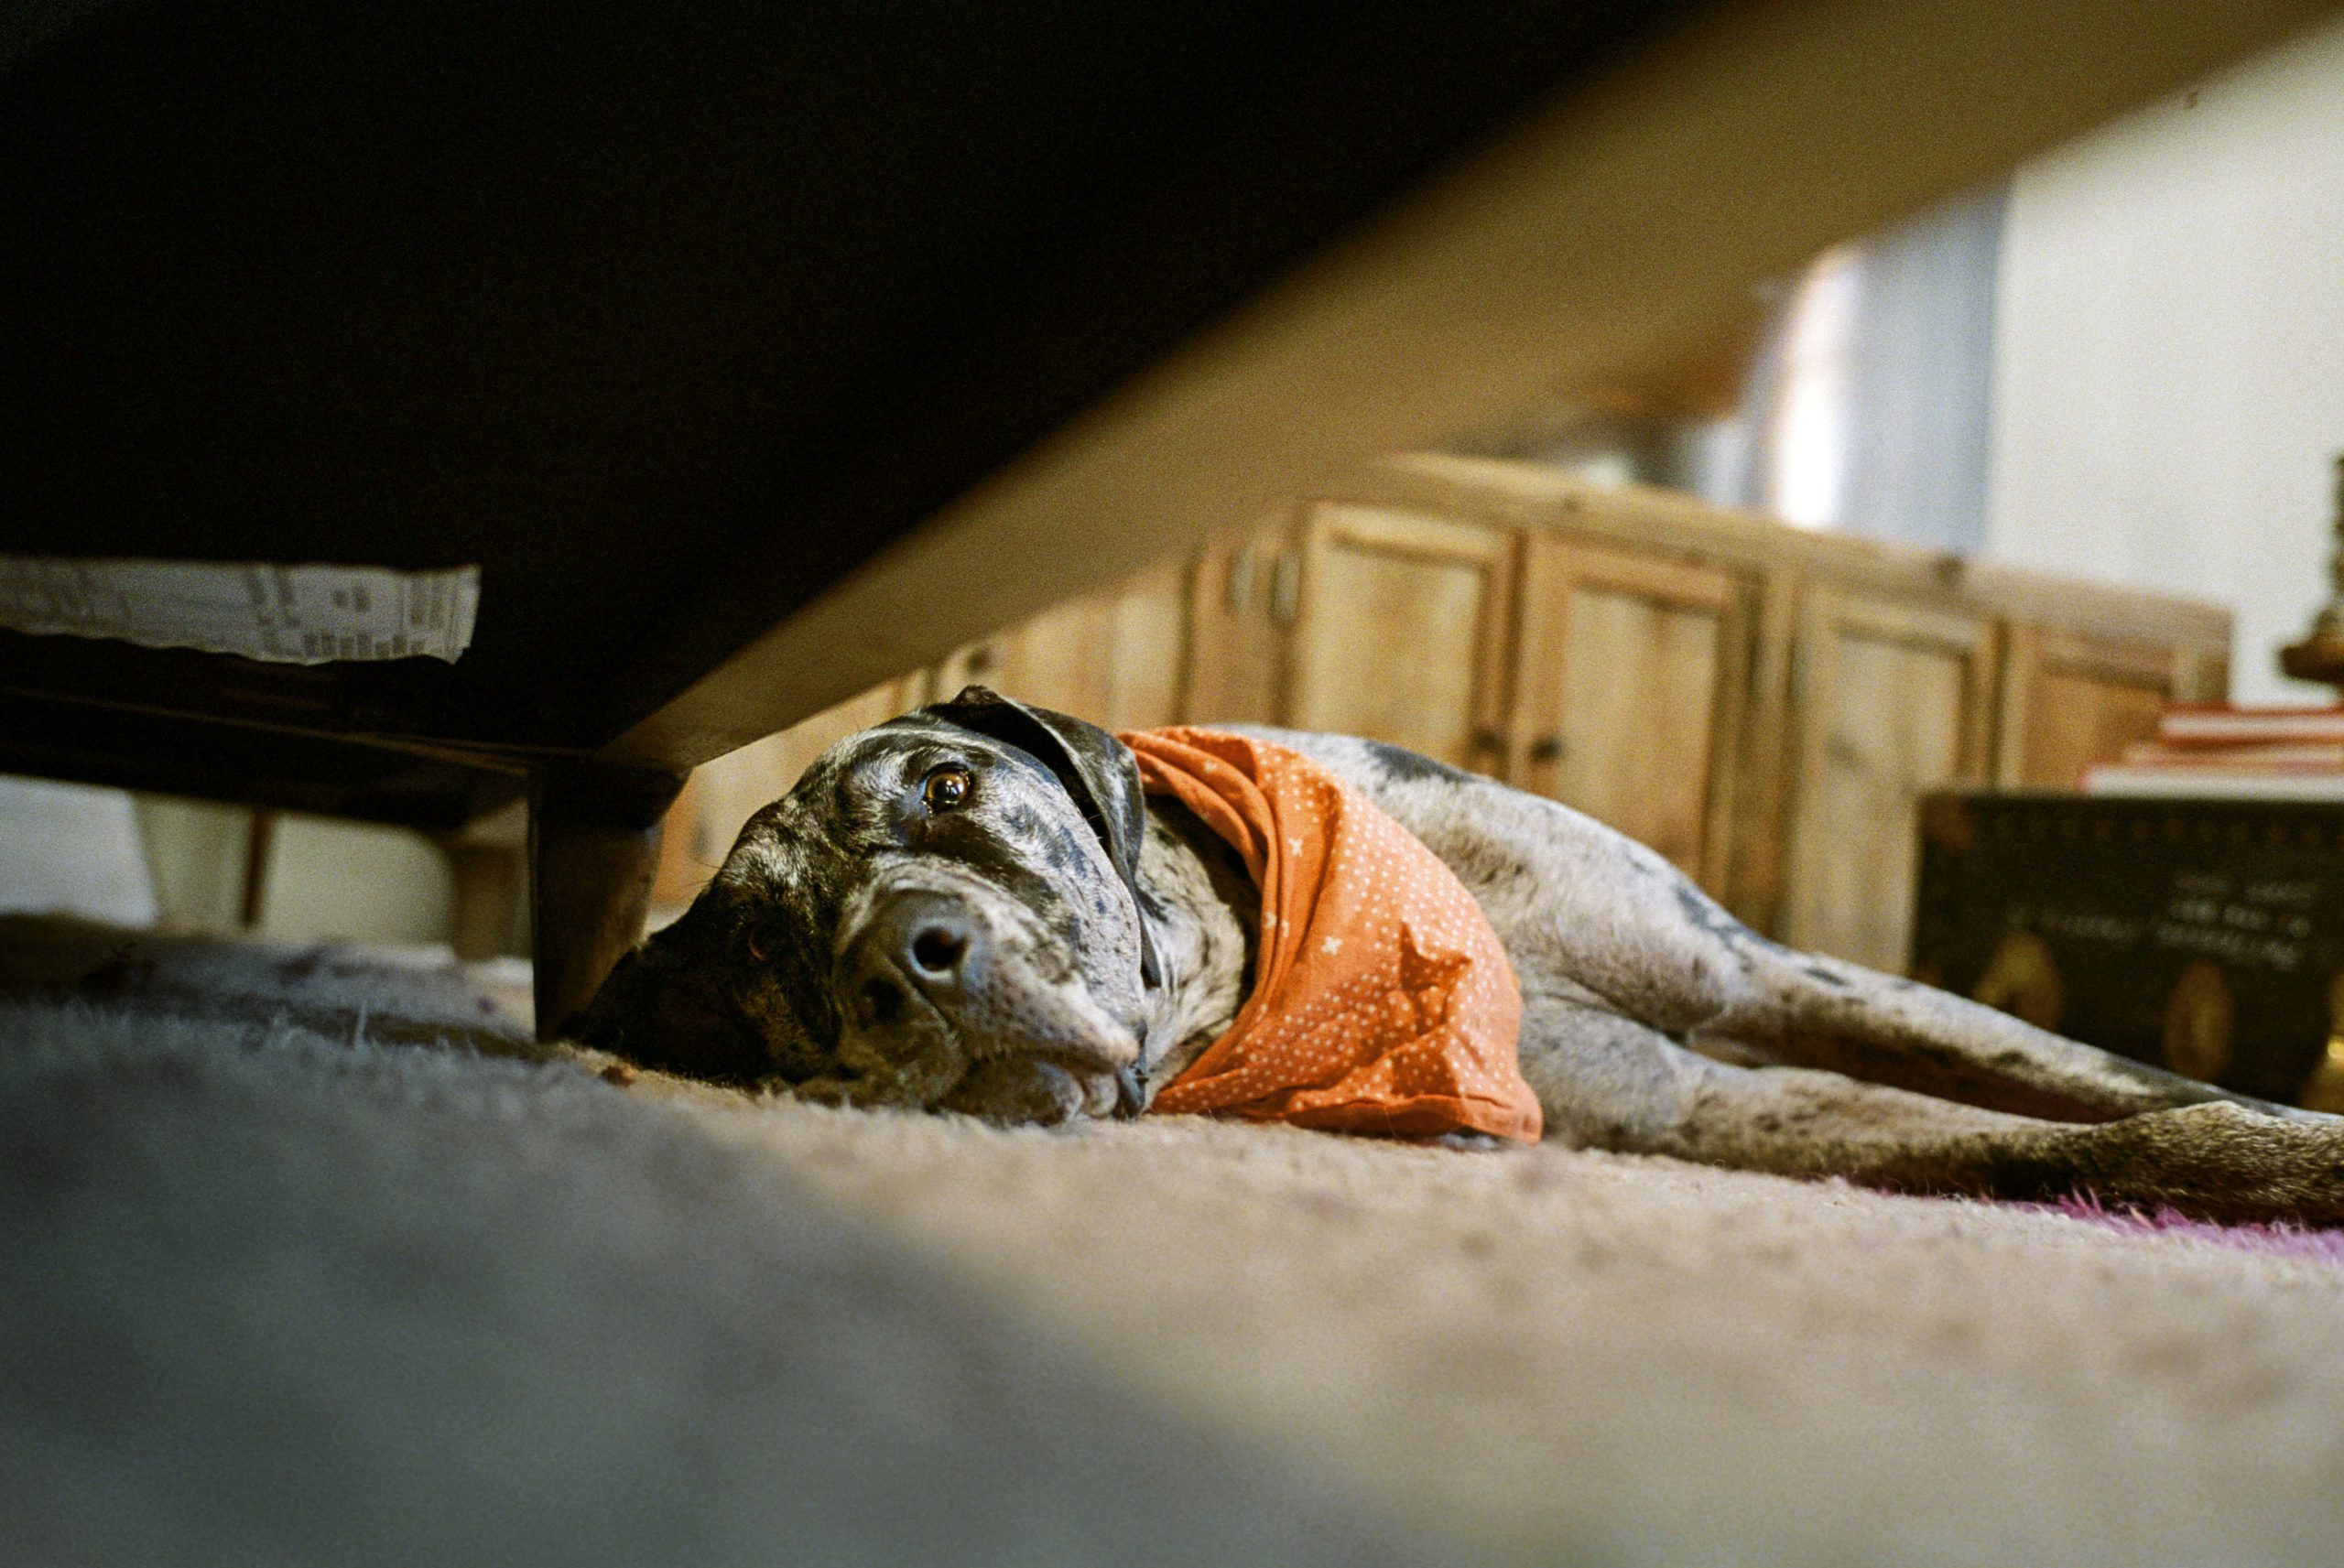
(275, 1293)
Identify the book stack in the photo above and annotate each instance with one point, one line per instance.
(2220, 751)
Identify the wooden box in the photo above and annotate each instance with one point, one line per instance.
(2204, 937)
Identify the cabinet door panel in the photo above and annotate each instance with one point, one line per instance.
(1241, 599)
(1894, 702)
(1632, 679)
(1402, 632)
(2070, 699)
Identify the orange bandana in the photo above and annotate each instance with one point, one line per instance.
(1382, 1000)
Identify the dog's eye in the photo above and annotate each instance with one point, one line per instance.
(945, 789)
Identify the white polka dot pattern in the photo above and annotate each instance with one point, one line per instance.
(1382, 1000)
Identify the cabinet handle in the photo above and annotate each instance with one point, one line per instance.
(979, 660)
(1547, 749)
(1487, 741)
(1238, 584)
(1285, 589)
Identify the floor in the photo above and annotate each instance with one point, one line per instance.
(309, 1255)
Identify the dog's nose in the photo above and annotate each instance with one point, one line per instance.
(937, 947)
(927, 940)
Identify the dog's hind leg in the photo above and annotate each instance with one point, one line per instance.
(1583, 909)
(1809, 1010)
(2215, 1159)
(1608, 1081)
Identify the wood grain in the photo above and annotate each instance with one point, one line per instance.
(2071, 698)
(1114, 657)
(1894, 701)
(1403, 632)
(594, 849)
(1758, 702)
(1631, 687)
(1242, 594)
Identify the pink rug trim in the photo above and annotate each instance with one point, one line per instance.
(2281, 1239)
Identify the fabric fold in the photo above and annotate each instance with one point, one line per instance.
(1382, 1000)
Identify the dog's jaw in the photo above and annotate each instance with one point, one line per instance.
(1204, 915)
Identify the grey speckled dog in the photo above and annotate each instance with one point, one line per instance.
(972, 908)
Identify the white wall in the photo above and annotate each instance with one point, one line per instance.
(354, 881)
(104, 854)
(2169, 351)
(72, 849)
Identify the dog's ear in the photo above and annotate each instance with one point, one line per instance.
(665, 1006)
(1095, 768)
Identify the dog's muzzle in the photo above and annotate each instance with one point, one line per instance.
(915, 946)
(927, 974)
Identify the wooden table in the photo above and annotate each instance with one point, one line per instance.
(756, 353)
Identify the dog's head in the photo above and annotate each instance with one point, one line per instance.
(943, 914)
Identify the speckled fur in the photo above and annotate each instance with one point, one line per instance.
(1643, 1001)
(1635, 983)
(743, 988)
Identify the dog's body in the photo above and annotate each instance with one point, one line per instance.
(972, 908)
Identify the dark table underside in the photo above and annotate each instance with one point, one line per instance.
(672, 317)
(666, 316)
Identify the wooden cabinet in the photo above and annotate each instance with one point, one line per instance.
(1243, 595)
(1763, 705)
(1759, 704)
(1632, 678)
(1890, 700)
(1113, 657)
(1401, 631)
(2073, 699)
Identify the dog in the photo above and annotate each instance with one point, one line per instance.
(975, 908)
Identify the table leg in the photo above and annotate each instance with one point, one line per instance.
(593, 847)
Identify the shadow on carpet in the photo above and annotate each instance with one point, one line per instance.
(280, 1291)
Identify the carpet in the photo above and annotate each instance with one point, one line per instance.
(313, 1257)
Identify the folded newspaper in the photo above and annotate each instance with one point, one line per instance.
(310, 614)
